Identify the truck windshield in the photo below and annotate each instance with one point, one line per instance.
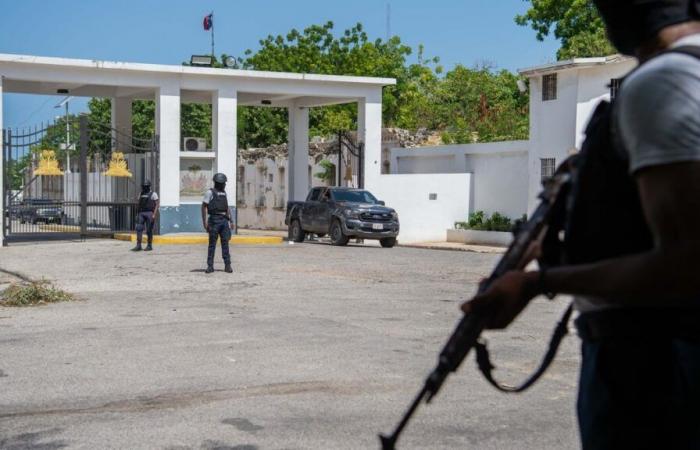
(354, 197)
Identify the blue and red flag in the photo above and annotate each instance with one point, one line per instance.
(208, 22)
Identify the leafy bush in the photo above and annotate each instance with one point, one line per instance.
(479, 221)
(33, 293)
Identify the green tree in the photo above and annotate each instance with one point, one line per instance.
(576, 23)
(480, 105)
(317, 50)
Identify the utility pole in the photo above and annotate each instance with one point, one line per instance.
(65, 102)
(388, 21)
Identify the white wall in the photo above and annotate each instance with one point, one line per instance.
(593, 87)
(552, 126)
(422, 219)
(557, 126)
(499, 171)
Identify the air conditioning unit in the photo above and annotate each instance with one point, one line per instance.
(194, 144)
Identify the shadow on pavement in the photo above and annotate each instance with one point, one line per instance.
(31, 441)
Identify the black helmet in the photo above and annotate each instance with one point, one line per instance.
(630, 23)
(146, 183)
(219, 178)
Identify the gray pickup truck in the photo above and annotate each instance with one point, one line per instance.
(342, 213)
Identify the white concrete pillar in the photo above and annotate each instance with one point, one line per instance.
(298, 159)
(168, 131)
(369, 131)
(121, 121)
(224, 117)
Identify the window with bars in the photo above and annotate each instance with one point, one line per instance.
(547, 167)
(614, 87)
(549, 87)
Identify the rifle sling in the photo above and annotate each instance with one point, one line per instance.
(486, 367)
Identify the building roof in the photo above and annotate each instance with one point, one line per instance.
(576, 63)
(180, 69)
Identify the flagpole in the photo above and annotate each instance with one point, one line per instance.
(213, 55)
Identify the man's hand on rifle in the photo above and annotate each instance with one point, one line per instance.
(505, 298)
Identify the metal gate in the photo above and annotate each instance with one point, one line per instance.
(351, 161)
(73, 178)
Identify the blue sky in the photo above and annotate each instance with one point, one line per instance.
(169, 31)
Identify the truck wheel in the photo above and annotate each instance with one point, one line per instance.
(388, 242)
(336, 234)
(296, 234)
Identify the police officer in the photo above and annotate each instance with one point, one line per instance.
(146, 217)
(215, 206)
(634, 275)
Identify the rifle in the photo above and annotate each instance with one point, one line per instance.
(466, 335)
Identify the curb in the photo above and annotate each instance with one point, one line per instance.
(466, 248)
(197, 239)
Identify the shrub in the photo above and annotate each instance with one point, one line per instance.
(479, 221)
(33, 293)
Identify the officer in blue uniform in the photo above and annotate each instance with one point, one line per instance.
(216, 219)
(146, 217)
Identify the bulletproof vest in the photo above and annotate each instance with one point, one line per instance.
(146, 202)
(218, 203)
(602, 217)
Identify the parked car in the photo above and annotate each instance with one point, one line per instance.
(35, 210)
(342, 213)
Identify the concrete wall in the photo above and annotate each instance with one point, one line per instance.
(262, 186)
(552, 126)
(499, 171)
(423, 219)
(593, 87)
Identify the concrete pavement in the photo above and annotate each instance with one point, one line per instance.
(305, 346)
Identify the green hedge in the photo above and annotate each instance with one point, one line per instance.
(480, 221)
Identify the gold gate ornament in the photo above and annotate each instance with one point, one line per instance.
(48, 164)
(117, 166)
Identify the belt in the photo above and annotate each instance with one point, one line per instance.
(646, 323)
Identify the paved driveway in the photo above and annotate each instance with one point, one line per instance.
(304, 346)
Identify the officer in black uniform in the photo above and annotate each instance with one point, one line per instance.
(217, 224)
(146, 217)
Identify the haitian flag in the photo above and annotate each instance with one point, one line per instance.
(208, 22)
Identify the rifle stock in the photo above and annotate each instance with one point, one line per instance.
(467, 332)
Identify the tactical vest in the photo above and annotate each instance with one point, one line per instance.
(602, 217)
(146, 203)
(218, 203)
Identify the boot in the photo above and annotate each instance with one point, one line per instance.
(210, 269)
(137, 248)
(149, 247)
(228, 268)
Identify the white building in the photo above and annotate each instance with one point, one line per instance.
(563, 96)
(505, 177)
(225, 89)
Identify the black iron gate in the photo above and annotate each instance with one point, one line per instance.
(73, 178)
(351, 161)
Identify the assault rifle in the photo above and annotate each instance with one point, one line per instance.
(466, 335)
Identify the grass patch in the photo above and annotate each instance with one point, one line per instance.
(33, 293)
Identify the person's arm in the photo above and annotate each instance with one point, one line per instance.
(666, 275)
(205, 224)
(155, 211)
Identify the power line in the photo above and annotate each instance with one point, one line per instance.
(34, 113)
